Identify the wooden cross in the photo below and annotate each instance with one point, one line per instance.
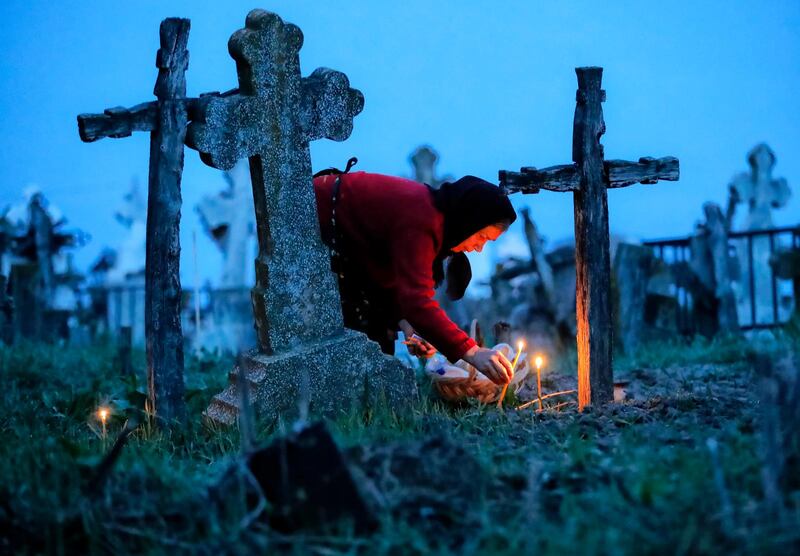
(166, 120)
(271, 121)
(589, 178)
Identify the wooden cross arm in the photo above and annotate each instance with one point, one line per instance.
(118, 122)
(121, 122)
(565, 177)
(648, 170)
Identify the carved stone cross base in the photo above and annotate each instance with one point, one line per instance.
(345, 372)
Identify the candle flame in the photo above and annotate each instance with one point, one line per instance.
(520, 345)
(103, 413)
(539, 361)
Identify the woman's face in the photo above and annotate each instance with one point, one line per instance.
(476, 241)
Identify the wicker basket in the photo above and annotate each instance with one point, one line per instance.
(455, 389)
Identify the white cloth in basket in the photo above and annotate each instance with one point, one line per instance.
(439, 368)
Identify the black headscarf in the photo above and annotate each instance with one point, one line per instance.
(469, 205)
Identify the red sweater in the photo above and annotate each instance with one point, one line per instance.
(394, 231)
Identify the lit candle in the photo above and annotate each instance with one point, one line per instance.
(102, 414)
(538, 362)
(520, 345)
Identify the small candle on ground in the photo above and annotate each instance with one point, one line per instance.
(102, 414)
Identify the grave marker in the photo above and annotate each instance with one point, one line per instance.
(271, 121)
(424, 160)
(760, 193)
(166, 119)
(589, 178)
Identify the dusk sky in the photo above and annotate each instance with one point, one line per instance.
(490, 85)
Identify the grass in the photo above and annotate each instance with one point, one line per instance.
(634, 478)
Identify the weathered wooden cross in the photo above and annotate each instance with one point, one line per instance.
(166, 120)
(589, 178)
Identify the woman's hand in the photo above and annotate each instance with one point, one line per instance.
(416, 345)
(490, 362)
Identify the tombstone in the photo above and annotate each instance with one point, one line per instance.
(761, 193)
(271, 121)
(122, 270)
(661, 309)
(38, 243)
(632, 268)
(229, 219)
(712, 266)
(130, 254)
(589, 178)
(424, 160)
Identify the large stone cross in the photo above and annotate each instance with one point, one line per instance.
(588, 179)
(758, 189)
(760, 192)
(271, 121)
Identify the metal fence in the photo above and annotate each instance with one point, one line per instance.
(754, 311)
(115, 307)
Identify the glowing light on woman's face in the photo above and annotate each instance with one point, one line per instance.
(476, 241)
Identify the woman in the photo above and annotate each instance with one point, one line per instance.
(390, 238)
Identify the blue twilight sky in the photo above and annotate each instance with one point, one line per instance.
(489, 84)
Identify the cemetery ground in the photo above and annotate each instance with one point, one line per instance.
(679, 468)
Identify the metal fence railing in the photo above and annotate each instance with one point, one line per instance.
(763, 300)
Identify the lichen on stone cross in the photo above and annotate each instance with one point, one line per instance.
(271, 121)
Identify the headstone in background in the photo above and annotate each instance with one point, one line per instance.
(38, 241)
(129, 255)
(760, 193)
(229, 219)
(423, 160)
(724, 297)
(271, 121)
(118, 274)
(632, 267)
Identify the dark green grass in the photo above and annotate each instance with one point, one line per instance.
(637, 478)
